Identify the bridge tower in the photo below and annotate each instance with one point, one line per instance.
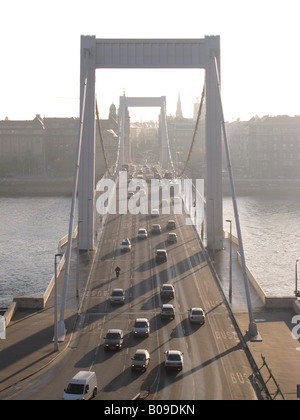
(126, 102)
(152, 53)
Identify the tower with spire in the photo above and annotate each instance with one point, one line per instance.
(179, 109)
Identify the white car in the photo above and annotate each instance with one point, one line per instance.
(173, 359)
(154, 213)
(142, 234)
(197, 315)
(141, 360)
(126, 245)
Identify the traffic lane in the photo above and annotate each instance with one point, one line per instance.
(88, 353)
(114, 367)
(222, 332)
(82, 355)
(186, 268)
(172, 385)
(179, 385)
(119, 381)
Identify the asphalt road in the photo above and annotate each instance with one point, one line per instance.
(215, 365)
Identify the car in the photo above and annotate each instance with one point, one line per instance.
(167, 291)
(154, 213)
(164, 202)
(114, 339)
(156, 228)
(173, 359)
(172, 237)
(197, 315)
(126, 245)
(142, 234)
(82, 386)
(161, 255)
(117, 296)
(141, 360)
(141, 327)
(171, 224)
(167, 311)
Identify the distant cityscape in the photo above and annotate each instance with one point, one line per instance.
(261, 148)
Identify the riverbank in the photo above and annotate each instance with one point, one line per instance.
(243, 185)
(47, 187)
(36, 187)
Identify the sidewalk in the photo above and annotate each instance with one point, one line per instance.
(29, 345)
(280, 349)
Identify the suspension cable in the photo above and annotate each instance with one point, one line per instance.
(168, 142)
(112, 174)
(195, 132)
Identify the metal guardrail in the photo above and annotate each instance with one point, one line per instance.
(273, 394)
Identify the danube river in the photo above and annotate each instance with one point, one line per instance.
(30, 229)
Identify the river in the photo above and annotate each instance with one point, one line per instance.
(30, 229)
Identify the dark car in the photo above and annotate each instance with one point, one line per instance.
(167, 311)
(113, 339)
(171, 224)
(161, 255)
(167, 291)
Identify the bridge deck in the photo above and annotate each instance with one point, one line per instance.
(28, 348)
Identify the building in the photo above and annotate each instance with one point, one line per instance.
(47, 146)
(22, 147)
(267, 147)
(274, 147)
(181, 132)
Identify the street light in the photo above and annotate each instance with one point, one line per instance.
(55, 303)
(230, 264)
(296, 280)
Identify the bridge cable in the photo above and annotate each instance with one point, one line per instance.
(61, 325)
(168, 142)
(112, 174)
(195, 132)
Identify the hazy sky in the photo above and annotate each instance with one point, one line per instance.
(40, 55)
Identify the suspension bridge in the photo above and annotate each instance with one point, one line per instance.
(147, 53)
(215, 368)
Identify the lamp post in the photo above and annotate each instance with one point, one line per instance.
(296, 280)
(230, 263)
(55, 303)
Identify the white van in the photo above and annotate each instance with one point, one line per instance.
(82, 386)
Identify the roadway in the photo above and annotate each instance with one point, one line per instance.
(215, 364)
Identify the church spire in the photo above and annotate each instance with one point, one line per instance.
(179, 110)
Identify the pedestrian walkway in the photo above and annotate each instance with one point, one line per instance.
(280, 350)
(29, 346)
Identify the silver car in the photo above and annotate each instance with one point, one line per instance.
(142, 234)
(197, 315)
(174, 359)
(117, 296)
(141, 360)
